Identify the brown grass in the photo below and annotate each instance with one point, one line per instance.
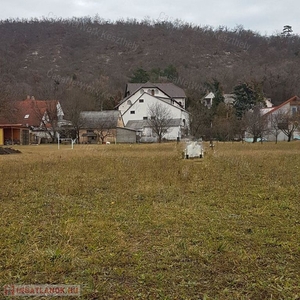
(138, 222)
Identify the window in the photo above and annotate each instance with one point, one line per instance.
(26, 116)
(141, 100)
(152, 92)
(294, 110)
(145, 118)
(132, 112)
(152, 117)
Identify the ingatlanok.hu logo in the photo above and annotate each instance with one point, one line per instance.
(41, 290)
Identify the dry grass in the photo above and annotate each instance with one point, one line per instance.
(138, 222)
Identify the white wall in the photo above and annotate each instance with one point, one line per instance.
(141, 109)
(157, 93)
(281, 136)
(172, 134)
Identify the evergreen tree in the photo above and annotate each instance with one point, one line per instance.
(287, 31)
(216, 87)
(247, 95)
(155, 74)
(139, 76)
(170, 72)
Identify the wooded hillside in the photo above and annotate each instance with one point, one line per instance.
(92, 59)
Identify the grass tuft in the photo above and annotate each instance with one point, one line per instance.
(139, 222)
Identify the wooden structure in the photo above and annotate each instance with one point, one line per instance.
(14, 134)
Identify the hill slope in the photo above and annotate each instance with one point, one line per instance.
(42, 57)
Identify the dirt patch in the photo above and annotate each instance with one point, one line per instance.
(8, 151)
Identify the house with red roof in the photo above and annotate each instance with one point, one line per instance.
(284, 120)
(31, 121)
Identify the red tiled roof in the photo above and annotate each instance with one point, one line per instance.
(28, 112)
(295, 98)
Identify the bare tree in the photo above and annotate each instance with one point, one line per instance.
(225, 125)
(201, 120)
(255, 123)
(275, 121)
(103, 129)
(7, 96)
(288, 123)
(159, 120)
(102, 123)
(47, 114)
(73, 105)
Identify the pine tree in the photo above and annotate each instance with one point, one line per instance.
(287, 31)
(247, 95)
(139, 76)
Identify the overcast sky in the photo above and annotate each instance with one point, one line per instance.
(264, 16)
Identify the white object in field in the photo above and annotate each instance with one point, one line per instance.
(107, 143)
(193, 149)
(73, 141)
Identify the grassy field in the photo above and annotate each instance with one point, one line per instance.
(139, 222)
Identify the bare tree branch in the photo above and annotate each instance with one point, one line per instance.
(159, 120)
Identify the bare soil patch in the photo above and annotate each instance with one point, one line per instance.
(6, 150)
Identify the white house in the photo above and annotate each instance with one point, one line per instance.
(135, 109)
(207, 100)
(166, 91)
(229, 99)
(290, 107)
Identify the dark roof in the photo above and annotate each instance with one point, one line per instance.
(124, 128)
(140, 124)
(107, 119)
(169, 88)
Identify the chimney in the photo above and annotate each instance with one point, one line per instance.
(28, 97)
(32, 98)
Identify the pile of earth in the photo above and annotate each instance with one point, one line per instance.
(8, 151)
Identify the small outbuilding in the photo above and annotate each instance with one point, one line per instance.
(14, 134)
(127, 135)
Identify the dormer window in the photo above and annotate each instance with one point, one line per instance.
(129, 102)
(26, 116)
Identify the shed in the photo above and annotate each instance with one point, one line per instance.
(99, 125)
(126, 135)
(11, 134)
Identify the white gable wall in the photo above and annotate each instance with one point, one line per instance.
(157, 93)
(140, 109)
(287, 108)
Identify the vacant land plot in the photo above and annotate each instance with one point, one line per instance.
(138, 222)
